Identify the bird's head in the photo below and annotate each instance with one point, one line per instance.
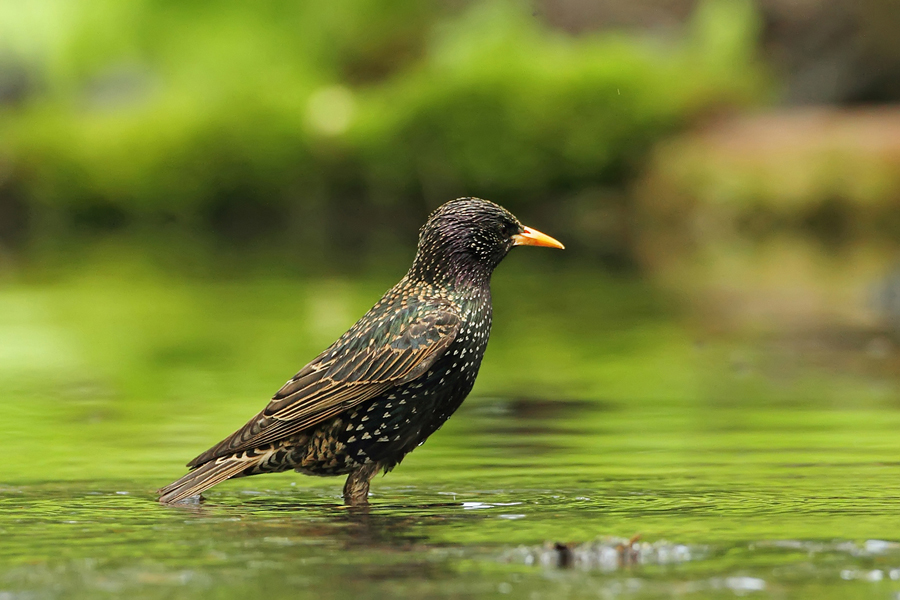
(466, 238)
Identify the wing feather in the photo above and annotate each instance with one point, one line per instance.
(372, 357)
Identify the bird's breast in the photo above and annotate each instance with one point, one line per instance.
(388, 427)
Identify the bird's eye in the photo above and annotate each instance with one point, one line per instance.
(507, 229)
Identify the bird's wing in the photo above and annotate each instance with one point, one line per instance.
(373, 356)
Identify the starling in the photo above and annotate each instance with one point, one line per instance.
(394, 377)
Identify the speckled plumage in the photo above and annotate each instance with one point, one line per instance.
(394, 377)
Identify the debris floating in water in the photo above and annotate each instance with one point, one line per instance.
(607, 554)
(479, 505)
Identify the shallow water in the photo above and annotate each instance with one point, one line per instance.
(611, 448)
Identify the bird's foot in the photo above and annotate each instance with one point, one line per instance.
(356, 500)
(356, 490)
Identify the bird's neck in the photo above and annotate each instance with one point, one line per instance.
(453, 272)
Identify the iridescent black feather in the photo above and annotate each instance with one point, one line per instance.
(392, 379)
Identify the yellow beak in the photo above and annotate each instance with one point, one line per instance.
(533, 237)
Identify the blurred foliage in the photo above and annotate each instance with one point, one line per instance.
(334, 121)
(789, 219)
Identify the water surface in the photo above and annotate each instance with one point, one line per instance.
(613, 447)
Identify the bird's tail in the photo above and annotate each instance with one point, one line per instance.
(209, 474)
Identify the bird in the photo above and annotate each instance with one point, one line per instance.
(393, 378)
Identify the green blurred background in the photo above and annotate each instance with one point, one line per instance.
(200, 190)
(328, 130)
(196, 197)
(699, 143)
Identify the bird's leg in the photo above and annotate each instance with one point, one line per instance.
(356, 490)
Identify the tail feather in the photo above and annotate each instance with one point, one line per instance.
(205, 476)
